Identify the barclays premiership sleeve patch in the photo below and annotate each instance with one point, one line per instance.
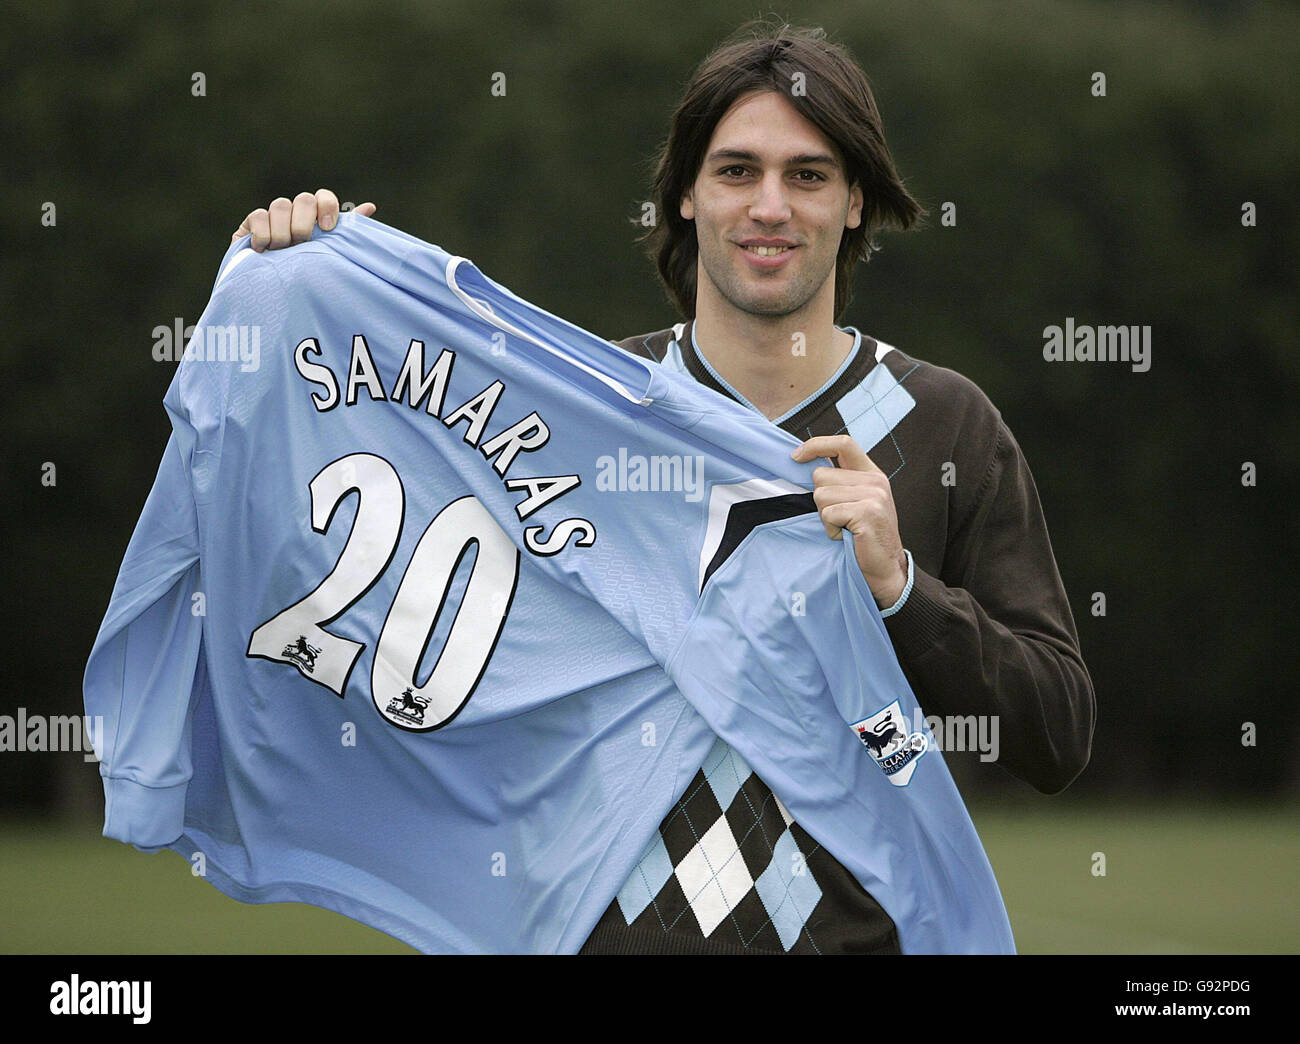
(896, 748)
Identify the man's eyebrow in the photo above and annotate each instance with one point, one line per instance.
(802, 159)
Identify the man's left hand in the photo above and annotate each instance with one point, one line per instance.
(856, 496)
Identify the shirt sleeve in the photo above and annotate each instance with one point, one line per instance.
(140, 677)
(787, 660)
(907, 588)
(995, 636)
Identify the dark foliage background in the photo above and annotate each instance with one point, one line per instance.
(1117, 210)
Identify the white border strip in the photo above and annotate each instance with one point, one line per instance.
(230, 266)
(485, 313)
(722, 499)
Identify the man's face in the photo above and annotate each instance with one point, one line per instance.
(770, 205)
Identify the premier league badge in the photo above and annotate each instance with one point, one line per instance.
(408, 707)
(896, 750)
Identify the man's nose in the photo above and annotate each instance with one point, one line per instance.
(771, 206)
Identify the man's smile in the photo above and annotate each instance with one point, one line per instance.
(767, 253)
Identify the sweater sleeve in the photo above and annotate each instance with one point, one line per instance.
(994, 634)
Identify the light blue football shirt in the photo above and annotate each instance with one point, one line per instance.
(438, 602)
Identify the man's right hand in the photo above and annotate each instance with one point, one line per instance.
(285, 223)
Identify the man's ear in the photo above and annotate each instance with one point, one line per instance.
(687, 208)
(854, 217)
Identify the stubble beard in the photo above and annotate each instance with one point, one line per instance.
(733, 286)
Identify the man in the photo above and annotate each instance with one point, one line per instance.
(773, 181)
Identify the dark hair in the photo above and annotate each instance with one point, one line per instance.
(836, 98)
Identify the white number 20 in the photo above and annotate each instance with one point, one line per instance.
(296, 635)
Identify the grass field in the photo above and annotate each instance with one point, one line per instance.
(1210, 879)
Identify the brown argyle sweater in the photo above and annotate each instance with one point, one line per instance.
(985, 629)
